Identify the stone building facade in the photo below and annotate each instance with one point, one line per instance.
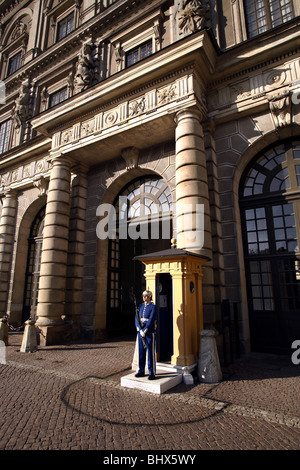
(161, 102)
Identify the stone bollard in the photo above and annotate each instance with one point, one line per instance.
(4, 331)
(29, 342)
(209, 370)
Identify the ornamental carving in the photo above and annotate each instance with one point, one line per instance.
(167, 94)
(191, 16)
(19, 29)
(84, 74)
(137, 106)
(179, 90)
(20, 109)
(280, 107)
(33, 170)
(87, 128)
(275, 79)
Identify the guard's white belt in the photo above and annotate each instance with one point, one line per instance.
(144, 319)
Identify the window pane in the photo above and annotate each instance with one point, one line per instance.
(4, 136)
(58, 97)
(141, 52)
(65, 26)
(14, 63)
(285, 227)
(261, 285)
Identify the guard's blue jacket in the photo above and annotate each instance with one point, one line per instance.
(148, 314)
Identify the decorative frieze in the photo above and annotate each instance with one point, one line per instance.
(106, 121)
(254, 87)
(20, 175)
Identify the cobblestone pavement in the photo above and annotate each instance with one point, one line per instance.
(70, 398)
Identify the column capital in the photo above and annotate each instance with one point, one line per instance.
(60, 159)
(188, 113)
(80, 168)
(8, 192)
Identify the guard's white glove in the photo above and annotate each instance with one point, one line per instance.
(142, 334)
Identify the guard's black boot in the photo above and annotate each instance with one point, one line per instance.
(140, 374)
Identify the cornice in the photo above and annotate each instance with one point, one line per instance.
(9, 12)
(252, 55)
(244, 72)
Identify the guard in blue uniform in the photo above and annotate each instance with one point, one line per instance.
(146, 328)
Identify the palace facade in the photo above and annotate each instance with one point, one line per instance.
(150, 107)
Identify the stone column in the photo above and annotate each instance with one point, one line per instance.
(7, 230)
(191, 184)
(192, 190)
(52, 284)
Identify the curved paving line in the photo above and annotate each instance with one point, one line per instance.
(213, 405)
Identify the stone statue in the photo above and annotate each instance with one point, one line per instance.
(191, 15)
(85, 69)
(20, 109)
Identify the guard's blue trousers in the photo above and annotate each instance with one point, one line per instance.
(150, 342)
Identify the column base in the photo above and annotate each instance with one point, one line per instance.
(183, 361)
(51, 335)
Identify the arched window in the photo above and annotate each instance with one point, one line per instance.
(144, 197)
(270, 215)
(33, 266)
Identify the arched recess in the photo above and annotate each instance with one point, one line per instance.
(107, 247)
(269, 201)
(21, 257)
(14, 22)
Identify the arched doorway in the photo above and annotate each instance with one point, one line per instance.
(270, 216)
(33, 266)
(144, 225)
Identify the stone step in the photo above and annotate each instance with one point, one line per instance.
(163, 381)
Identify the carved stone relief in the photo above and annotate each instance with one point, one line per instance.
(180, 89)
(280, 107)
(33, 170)
(191, 16)
(84, 69)
(254, 86)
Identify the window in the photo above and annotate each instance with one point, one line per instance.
(270, 208)
(139, 53)
(58, 97)
(4, 135)
(33, 266)
(65, 26)
(14, 63)
(262, 15)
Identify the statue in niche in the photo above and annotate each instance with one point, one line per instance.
(191, 15)
(85, 69)
(20, 109)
